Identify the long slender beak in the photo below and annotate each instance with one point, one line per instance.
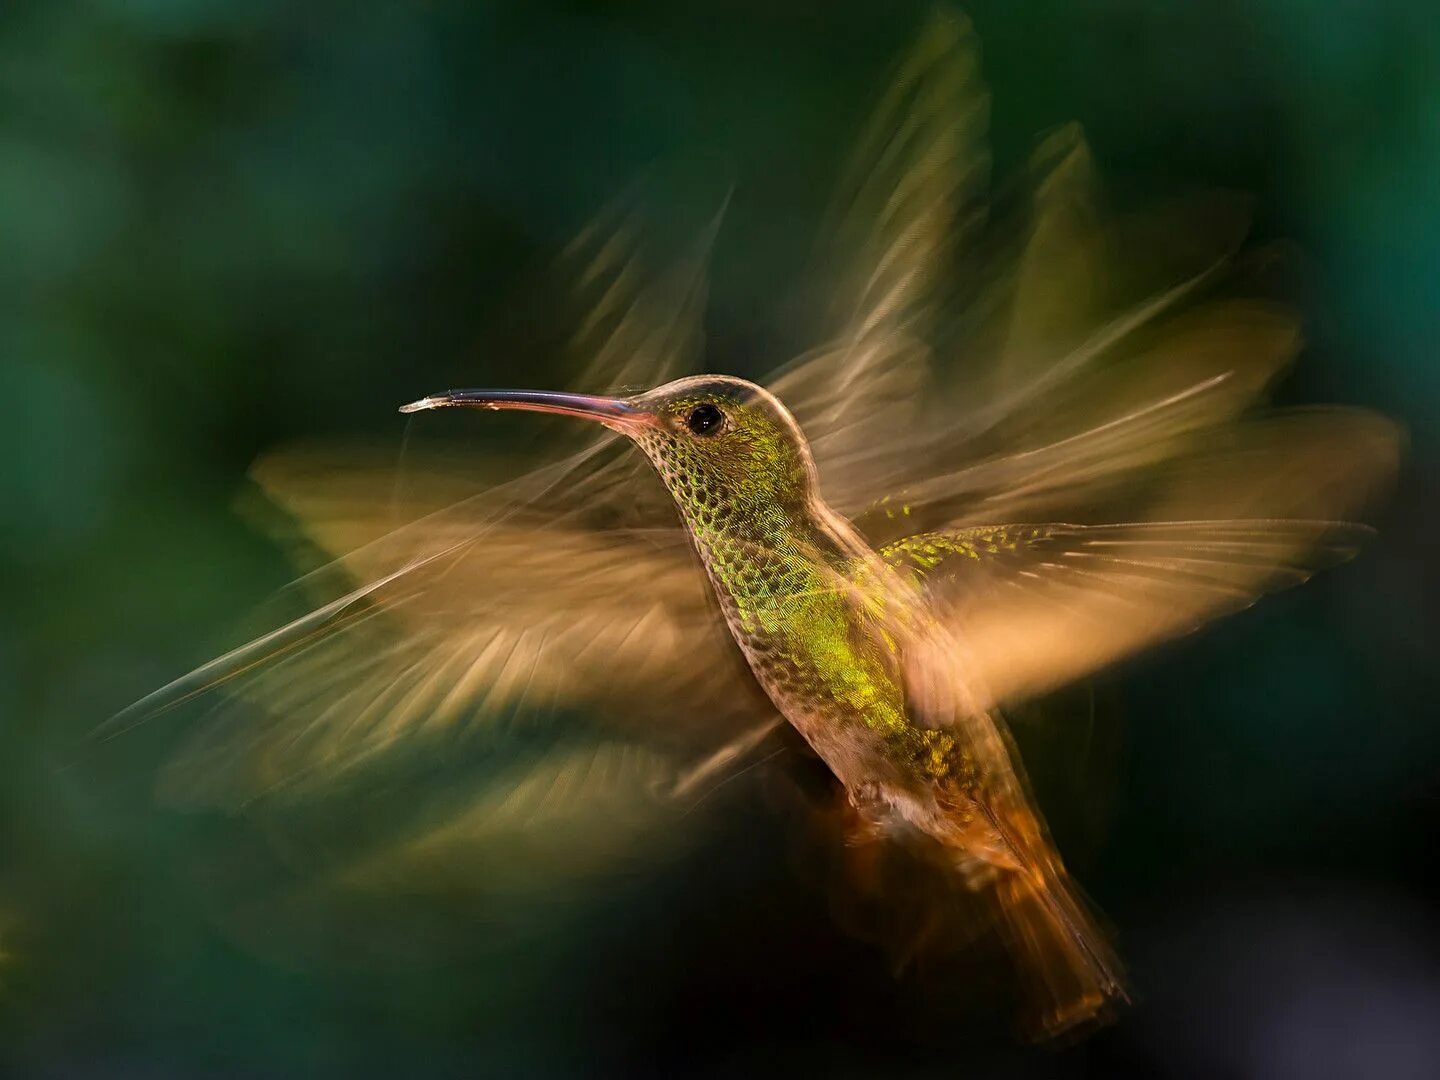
(615, 413)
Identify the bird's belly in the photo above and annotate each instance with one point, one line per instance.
(850, 713)
(834, 673)
(850, 706)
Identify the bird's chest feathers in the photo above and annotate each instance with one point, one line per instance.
(811, 617)
(801, 619)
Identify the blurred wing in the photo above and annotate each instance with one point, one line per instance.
(899, 212)
(902, 208)
(1069, 400)
(476, 615)
(442, 600)
(1034, 606)
(640, 284)
(1078, 360)
(468, 637)
(506, 708)
(1081, 446)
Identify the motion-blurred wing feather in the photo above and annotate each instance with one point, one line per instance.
(444, 596)
(1076, 339)
(1153, 401)
(641, 288)
(469, 628)
(1033, 606)
(907, 201)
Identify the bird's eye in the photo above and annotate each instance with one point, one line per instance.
(704, 419)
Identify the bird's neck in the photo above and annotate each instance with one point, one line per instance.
(776, 549)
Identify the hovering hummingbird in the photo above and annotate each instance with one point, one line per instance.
(845, 643)
(898, 561)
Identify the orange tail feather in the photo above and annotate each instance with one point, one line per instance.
(1064, 960)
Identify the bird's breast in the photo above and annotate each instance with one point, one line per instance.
(802, 625)
(823, 627)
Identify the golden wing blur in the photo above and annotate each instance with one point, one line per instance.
(551, 627)
(1108, 372)
(495, 682)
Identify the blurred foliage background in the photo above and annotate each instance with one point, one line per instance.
(225, 226)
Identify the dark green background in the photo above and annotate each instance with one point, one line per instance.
(226, 225)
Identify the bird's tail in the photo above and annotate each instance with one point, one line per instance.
(925, 899)
(1063, 958)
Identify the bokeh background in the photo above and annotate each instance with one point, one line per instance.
(225, 226)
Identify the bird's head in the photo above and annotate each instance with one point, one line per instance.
(723, 446)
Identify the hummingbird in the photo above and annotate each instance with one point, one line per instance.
(850, 549)
(843, 641)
